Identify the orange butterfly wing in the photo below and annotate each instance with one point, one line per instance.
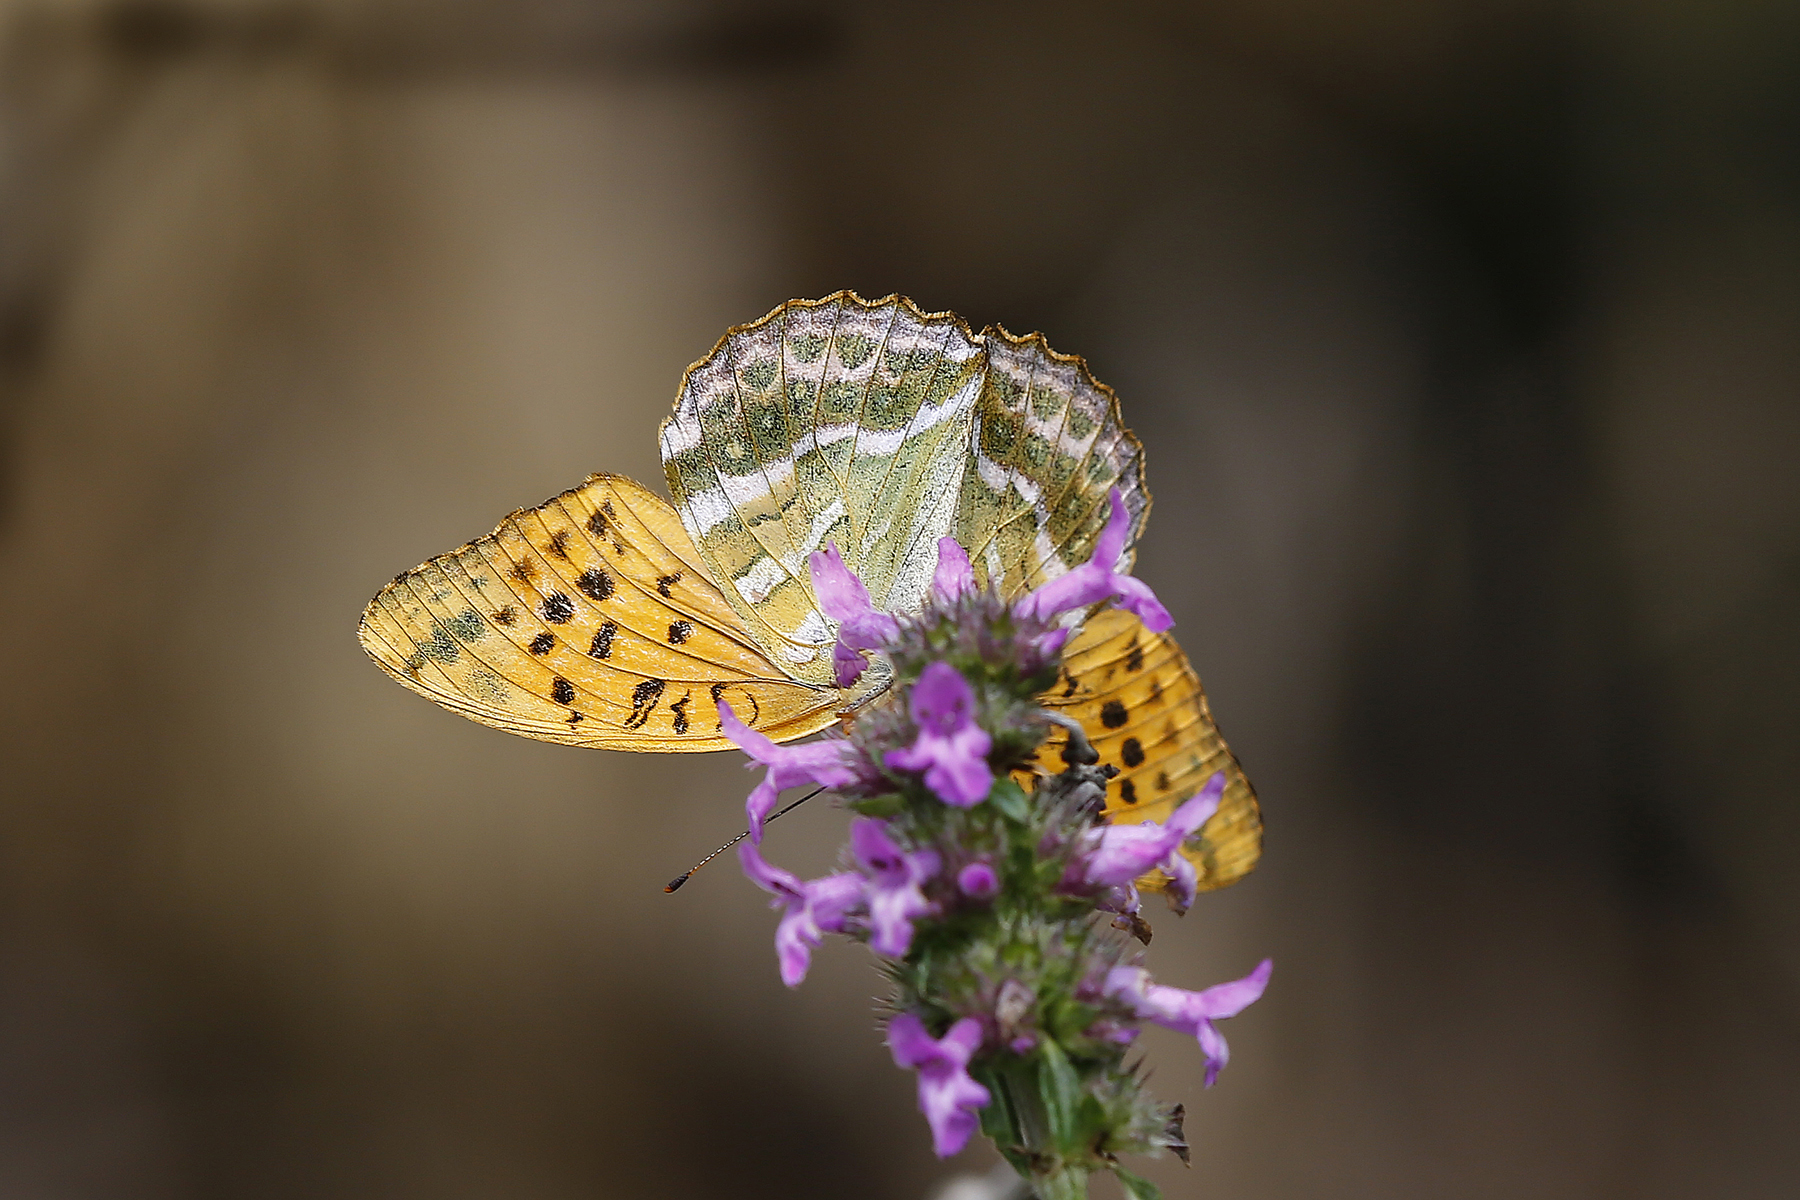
(586, 621)
(1143, 709)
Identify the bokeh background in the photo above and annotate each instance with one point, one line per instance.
(1465, 339)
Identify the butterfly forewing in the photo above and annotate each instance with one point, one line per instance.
(883, 428)
(1142, 706)
(586, 621)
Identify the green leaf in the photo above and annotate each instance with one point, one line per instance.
(1069, 1018)
(1061, 1091)
(1009, 799)
(1136, 1187)
(997, 1120)
(1090, 1119)
(878, 806)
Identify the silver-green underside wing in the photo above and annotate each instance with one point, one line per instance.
(883, 428)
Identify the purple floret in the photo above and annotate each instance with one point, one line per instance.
(894, 886)
(829, 763)
(814, 908)
(1095, 580)
(951, 749)
(947, 1095)
(1191, 1013)
(844, 599)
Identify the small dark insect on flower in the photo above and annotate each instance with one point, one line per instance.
(997, 911)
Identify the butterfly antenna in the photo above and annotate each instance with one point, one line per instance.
(675, 883)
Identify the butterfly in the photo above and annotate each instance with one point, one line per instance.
(609, 617)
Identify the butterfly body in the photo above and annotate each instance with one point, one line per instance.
(607, 617)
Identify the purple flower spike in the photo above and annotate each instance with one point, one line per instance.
(1095, 580)
(954, 577)
(947, 1095)
(844, 599)
(1122, 853)
(1191, 1012)
(978, 881)
(951, 749)
(827, 763)
(814, 908)
(893, 890)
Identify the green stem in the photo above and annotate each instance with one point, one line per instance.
(1050, 1177)
(1064, 1185)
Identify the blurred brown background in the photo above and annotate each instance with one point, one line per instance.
(1465, 339)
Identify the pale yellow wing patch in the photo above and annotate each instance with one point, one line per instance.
(586, 621)
(1142, 706)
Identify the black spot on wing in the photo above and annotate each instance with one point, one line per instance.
(601, 646)
(543, 643)
(680, 631)
(595, 584)
(643, 702)
(1132, 752)
(559, 543)
(679, 709)
(1162, 781)
(506, 616)
(557, 609)
(665, 582)
(1113, 714)
(1070, 690)
(1135, 660)
(718, 694)
(562, 691)
(596, 523)
(524, 570)
(1128, 792)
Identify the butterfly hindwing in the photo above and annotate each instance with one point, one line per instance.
(829, 421)
(586, 621)
(1047, 447)
(1143, 709)
(882, 428)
